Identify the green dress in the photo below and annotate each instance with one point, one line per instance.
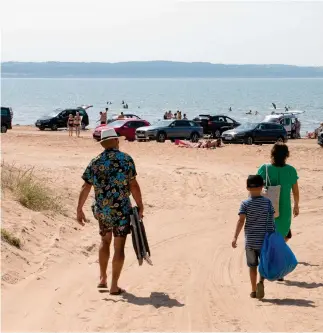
(285, 176)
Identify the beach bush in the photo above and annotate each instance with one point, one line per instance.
(7, 237)
(30, 191)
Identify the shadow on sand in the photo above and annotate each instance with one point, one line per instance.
(304, 285)
(307, 264)
(290, 302)
(156, 299)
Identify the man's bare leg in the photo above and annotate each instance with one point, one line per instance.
(117, 262)
(104, 254)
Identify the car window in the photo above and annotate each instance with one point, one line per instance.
(141, 124)
(5, 112)
(221, 119)
(229, 120)
(286, 121)
(276, 127)
(263, 127)
(182, 123)
(135, 124)
(129, 124)
(193, 124)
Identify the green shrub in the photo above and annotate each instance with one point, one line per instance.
(31, 192)
(6, 236)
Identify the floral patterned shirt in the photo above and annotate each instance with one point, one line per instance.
(110, 174)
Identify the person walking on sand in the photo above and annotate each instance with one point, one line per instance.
(280, 173)
(257, 214)
(113, 177)
(70, 124)
(77, 124)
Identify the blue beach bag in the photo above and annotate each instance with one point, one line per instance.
(276, 258)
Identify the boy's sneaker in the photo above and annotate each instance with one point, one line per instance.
(253, 294)
(260, 292)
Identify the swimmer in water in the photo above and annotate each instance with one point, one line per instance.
(274, 105)
(256, 113)
(250, 112)
(230, 109)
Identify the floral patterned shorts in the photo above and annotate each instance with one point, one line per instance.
(118, 230)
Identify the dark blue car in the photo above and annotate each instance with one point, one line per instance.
(250, 133)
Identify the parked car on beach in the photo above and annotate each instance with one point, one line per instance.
(287, 119)
(171, 130)
(250, 133)
(6, 119)
(215, 125)
(58, 118)
(126, 128)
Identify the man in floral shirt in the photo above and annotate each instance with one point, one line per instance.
(113, 177)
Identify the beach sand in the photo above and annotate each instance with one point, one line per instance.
(198, 282)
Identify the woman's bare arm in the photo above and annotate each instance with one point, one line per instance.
(295, 190)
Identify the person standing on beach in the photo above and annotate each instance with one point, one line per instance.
(70, 124)
(257, 214)
(298, 128)
(113, 177)
(77, 124)
(280, 173)
(103, 118)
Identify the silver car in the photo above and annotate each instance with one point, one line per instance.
(170, 130)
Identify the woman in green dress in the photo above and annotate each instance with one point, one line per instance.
(280, 173)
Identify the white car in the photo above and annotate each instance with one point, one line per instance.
(287, 119)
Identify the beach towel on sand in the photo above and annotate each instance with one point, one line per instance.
(276, 258)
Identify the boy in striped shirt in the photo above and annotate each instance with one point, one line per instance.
(255, 213)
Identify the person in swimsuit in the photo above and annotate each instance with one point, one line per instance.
(103, 117)
(77, 124)
(70, 124)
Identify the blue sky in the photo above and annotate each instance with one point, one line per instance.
(274, 32)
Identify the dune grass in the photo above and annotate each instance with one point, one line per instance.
(30, 191)
(6, 236)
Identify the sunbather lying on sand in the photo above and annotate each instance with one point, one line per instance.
(201, 144)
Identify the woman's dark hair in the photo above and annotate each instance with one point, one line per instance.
(279, 154)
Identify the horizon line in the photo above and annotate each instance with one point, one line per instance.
(160, 61)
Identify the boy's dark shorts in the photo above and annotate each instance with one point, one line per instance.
(252, 257)
(289, 235)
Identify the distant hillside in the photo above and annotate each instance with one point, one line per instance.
(153, 69)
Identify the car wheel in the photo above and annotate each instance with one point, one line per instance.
(195, 137)
(83, 126)
(161, 137)
(41, 128)
(293, 135)
(4, 129)
(249, 140)
(54, 127)
(280, 139)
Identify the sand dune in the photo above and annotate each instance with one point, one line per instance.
(198, 282)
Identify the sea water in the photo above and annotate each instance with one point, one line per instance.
(150, 98)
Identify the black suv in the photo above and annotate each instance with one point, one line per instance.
(215, 125)
(250, 133)
(58, 118)
(6, 119)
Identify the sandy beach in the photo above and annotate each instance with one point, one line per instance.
(198, 282)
